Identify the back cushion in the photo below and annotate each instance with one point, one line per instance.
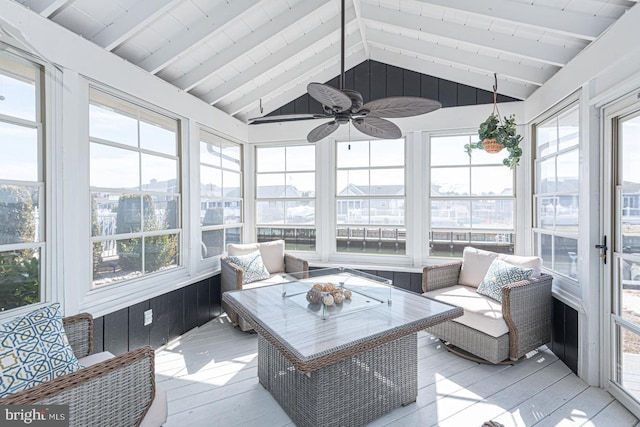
(534, 262)
(273, 255)
(236, 249)
(475, 264)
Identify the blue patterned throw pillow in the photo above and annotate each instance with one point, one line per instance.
(499, 275)
(252, 266)
(34, 349)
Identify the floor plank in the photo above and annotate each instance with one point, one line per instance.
(210, 375)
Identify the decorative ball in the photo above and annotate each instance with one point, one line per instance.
(318, 286)
(327, 300)
(329, 287)
(347, 294)
(337, 297)
(314, 306)
(314, 296)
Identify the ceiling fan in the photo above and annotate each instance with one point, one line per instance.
(344, 106)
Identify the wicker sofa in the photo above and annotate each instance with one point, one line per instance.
(489, 329)
(108, 391)
(277, 262)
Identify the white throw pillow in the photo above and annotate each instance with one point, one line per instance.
(273, 255)
(475, 264)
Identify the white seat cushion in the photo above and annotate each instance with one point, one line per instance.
(273, 280)
(92, 359)
(480, 312)
(158, 411)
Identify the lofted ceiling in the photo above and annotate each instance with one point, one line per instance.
(241, 55)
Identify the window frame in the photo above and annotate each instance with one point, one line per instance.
(285, 227)
(565, 109)
(398, 236)
(180, 232)
(200, 195)
(44, 230)
(471, 198)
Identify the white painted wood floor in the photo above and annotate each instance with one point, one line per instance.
(210, 374)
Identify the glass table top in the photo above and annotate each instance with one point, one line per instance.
(330, 292)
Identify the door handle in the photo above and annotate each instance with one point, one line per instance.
(603, 248)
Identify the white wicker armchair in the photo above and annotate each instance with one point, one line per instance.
(109, 391)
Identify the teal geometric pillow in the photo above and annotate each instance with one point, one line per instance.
(499, 275)
(252, 266)
(34, 349)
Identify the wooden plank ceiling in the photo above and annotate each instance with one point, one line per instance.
(239, 54)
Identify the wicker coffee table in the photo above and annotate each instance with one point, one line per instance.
(339, 365)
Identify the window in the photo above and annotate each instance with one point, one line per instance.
(22, 215)
(135, 190)
(370, 197)
(472, 201)
(220, 194)
(555, 198)
(286, 195)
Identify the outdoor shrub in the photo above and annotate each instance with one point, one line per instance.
(19, 269)
(159, 251)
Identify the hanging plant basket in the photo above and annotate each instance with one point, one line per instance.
(494, 134)
(491, 145)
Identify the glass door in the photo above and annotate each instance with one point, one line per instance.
(621, 343)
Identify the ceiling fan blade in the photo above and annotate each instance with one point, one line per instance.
(377, 128)
(322, 131)
(329, 96)
(400, 106)
(286, 118)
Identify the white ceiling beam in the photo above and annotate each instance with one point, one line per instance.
(561, 21)
(448, 72)
(276, 58)
(361, 26)
(352, 58)
(280, 23)
(511, 69)
(330, 54)
(47, 8)
(133, 20)
(192, 37)
(524, 48)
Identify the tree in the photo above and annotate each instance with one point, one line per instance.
(17, 219)
(95, 231)
(19, 269)
(159, 251)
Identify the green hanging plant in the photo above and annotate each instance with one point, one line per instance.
(495, 134)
